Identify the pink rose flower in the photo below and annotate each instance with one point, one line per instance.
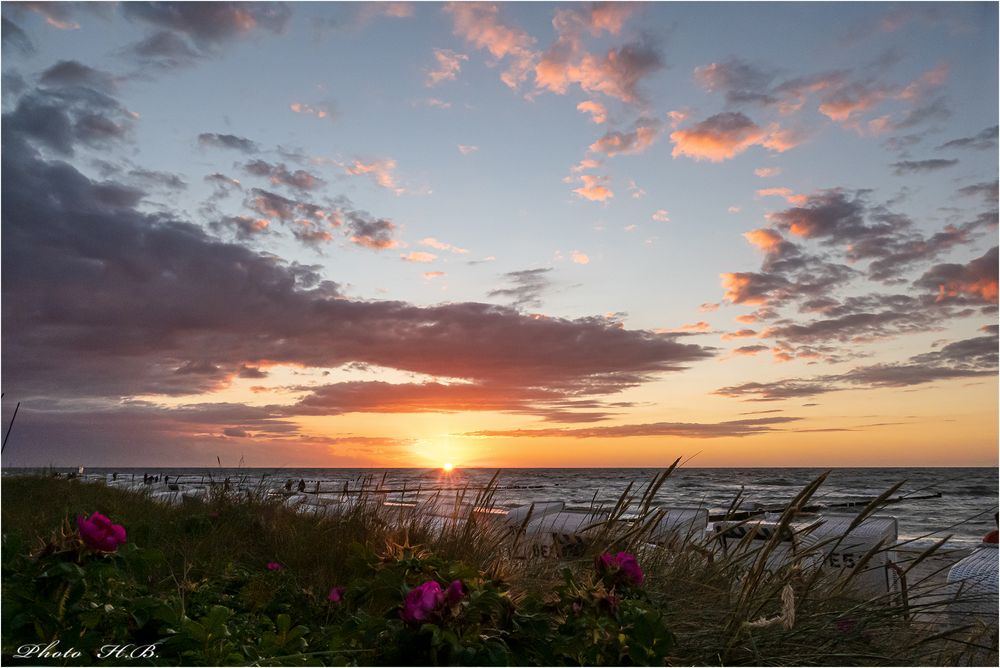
(336, 594)
(98, 533)
(623, 566)
(455, 593)
(422, 602)
(274, 566)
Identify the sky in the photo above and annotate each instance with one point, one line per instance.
(500, 235)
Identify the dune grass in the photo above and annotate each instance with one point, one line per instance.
(198, 575)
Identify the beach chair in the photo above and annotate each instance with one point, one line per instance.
(843, 551)
(972, 587)
(680, 525)
(745, 540)
(562, 533)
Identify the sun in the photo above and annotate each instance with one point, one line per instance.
(448, 467)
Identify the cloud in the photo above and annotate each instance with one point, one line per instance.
(594, 188)
(431, 275)
(598, 112)
(725, 136)
(431, 242)
(750, 350)
(14, 37)
(418, 256)
(467, 149)
(227, 141)
(164, 49)
(617, 74)
(730, 429)
(319, 111)
(449, 64)
(381, 171)
(278, 174)
(73, 73)
(785, 193)
(528, 287)
(983, 141)
(244, 227)
(172, 310)
(579, 258)
(480, 25)
(661, 216)
(975, 282)
(367, 232)
(637, 140)
(58, 15)
(905, 167)
(209, 24)
(767, 172)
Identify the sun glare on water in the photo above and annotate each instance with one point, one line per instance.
(448, 467)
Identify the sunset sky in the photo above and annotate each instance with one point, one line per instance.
(525, 234)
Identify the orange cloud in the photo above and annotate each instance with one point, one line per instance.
(431, 275)
(598, 112)
(764, 239)
(579, 258)
(717, 138)
(739, 334)
(661, 216)
(786, 193)
(418, 256)
(765, 172)
(302, 108)
(479, 24)
(593, 188)
(640, 138)
(380, 170)
(449, 64)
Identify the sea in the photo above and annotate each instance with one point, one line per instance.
(933, 503)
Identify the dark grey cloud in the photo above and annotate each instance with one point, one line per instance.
(155, 178)
(905, 167)
(227, 141)
(983, 141)
(527, 287)
(969, 358)
(741, 82)
(729, 429)
(369, 232)
(243, 228)
(73, 73)
(278, 174)
(209, 24)
(163, 49)
(14, 37)
(971, 283)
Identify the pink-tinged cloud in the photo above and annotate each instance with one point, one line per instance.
(933, 78)
(753, 288)
(431, 275)
(766, 172)
(785, 193)
(418, 256)
(975, 281)
(734, 209)
(431, 242)
(579, 258)
(661, 216)
(700, 326)
(56, 14)
(449, 64)
(593, 188)
(635, 191)
(585, 164)
(779, 140)
(318, 111)
(598, 112)
(466, 149)
(731, 429)
(855, 98)
(739, 334)
(749, 350)
(480, 24)
(747, 318)
(708, 307)
(641, 137)
(380, 170)
(725, 136)
(765, 239)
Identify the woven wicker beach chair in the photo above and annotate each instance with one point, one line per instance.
(746, 540)
(680, 525)
(972, 585)
(844, 550)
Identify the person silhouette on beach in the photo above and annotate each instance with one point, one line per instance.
(288, 485)
(302, 485)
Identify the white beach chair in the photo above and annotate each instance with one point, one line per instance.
(843, 551)
(680, 525)
(745, 540)
(560, 533)
(972, 586)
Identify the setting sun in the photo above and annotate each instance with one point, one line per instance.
(448, 467)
